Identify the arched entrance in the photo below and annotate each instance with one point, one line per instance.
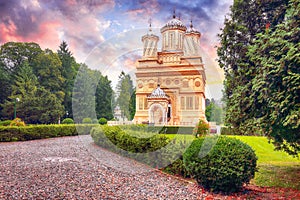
(157, 114)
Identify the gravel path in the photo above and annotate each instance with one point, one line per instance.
(75, 168)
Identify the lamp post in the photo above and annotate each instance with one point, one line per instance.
(15, 107)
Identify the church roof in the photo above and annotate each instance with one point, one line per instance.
(191, 29)
(174, 24)
(158, 93)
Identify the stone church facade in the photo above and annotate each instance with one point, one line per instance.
(170, 84)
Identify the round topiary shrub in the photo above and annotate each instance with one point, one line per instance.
(68, 121)
(87, 120)
(102, 121)
(220, 163)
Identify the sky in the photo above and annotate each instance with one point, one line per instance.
(106, 34)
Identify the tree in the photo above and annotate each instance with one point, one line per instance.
(12, 57)
(132, 104)
(276, 87)
(47, 67)
(238, 34)
(124, 92)
(84, 101)
(69, 72)
(14, 54)
(213, 112)
(5, 85)
(104, 95)
(37, 105)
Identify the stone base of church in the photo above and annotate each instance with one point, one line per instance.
(176, 121)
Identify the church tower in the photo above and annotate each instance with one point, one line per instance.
(150, 44)
(170, 84)
(192, 41)
(173, 33)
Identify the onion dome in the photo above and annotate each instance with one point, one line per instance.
(191, 29)
(158, 93)
(174, 24)
(150, 33)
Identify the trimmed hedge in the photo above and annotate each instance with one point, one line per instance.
(5, 123)
(14, 133)
(227, 166)
(132, 141)
(138, 143)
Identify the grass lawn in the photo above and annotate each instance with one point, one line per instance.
(275, 168)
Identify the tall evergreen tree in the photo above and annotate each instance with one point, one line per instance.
(124, 91)
(84, 98)
(69, 72)
(104, 95)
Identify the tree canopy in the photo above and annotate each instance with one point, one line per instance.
(44, 80)
(258, 54)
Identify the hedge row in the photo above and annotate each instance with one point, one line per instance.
(217, 163)
(139, 143)
(33, 132)
(160, 129)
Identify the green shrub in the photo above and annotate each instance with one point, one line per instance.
(13, 133)
(87, 120)
(228, 165)
(201, 129)
(102, 121)
(5, 123)
(177, 168)
(68, 121)
(134, 144)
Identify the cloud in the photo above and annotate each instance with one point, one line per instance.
(104, 24)
(48, 22)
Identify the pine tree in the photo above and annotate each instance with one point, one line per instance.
(84, 98)
(69, 72)
(125, 91)
(104, 97)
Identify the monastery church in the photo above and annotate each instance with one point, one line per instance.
(170, 84)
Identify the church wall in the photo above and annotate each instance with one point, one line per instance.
(179, 71)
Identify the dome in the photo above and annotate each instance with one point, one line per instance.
(158, 93)
(174, 24)
(191, 29)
